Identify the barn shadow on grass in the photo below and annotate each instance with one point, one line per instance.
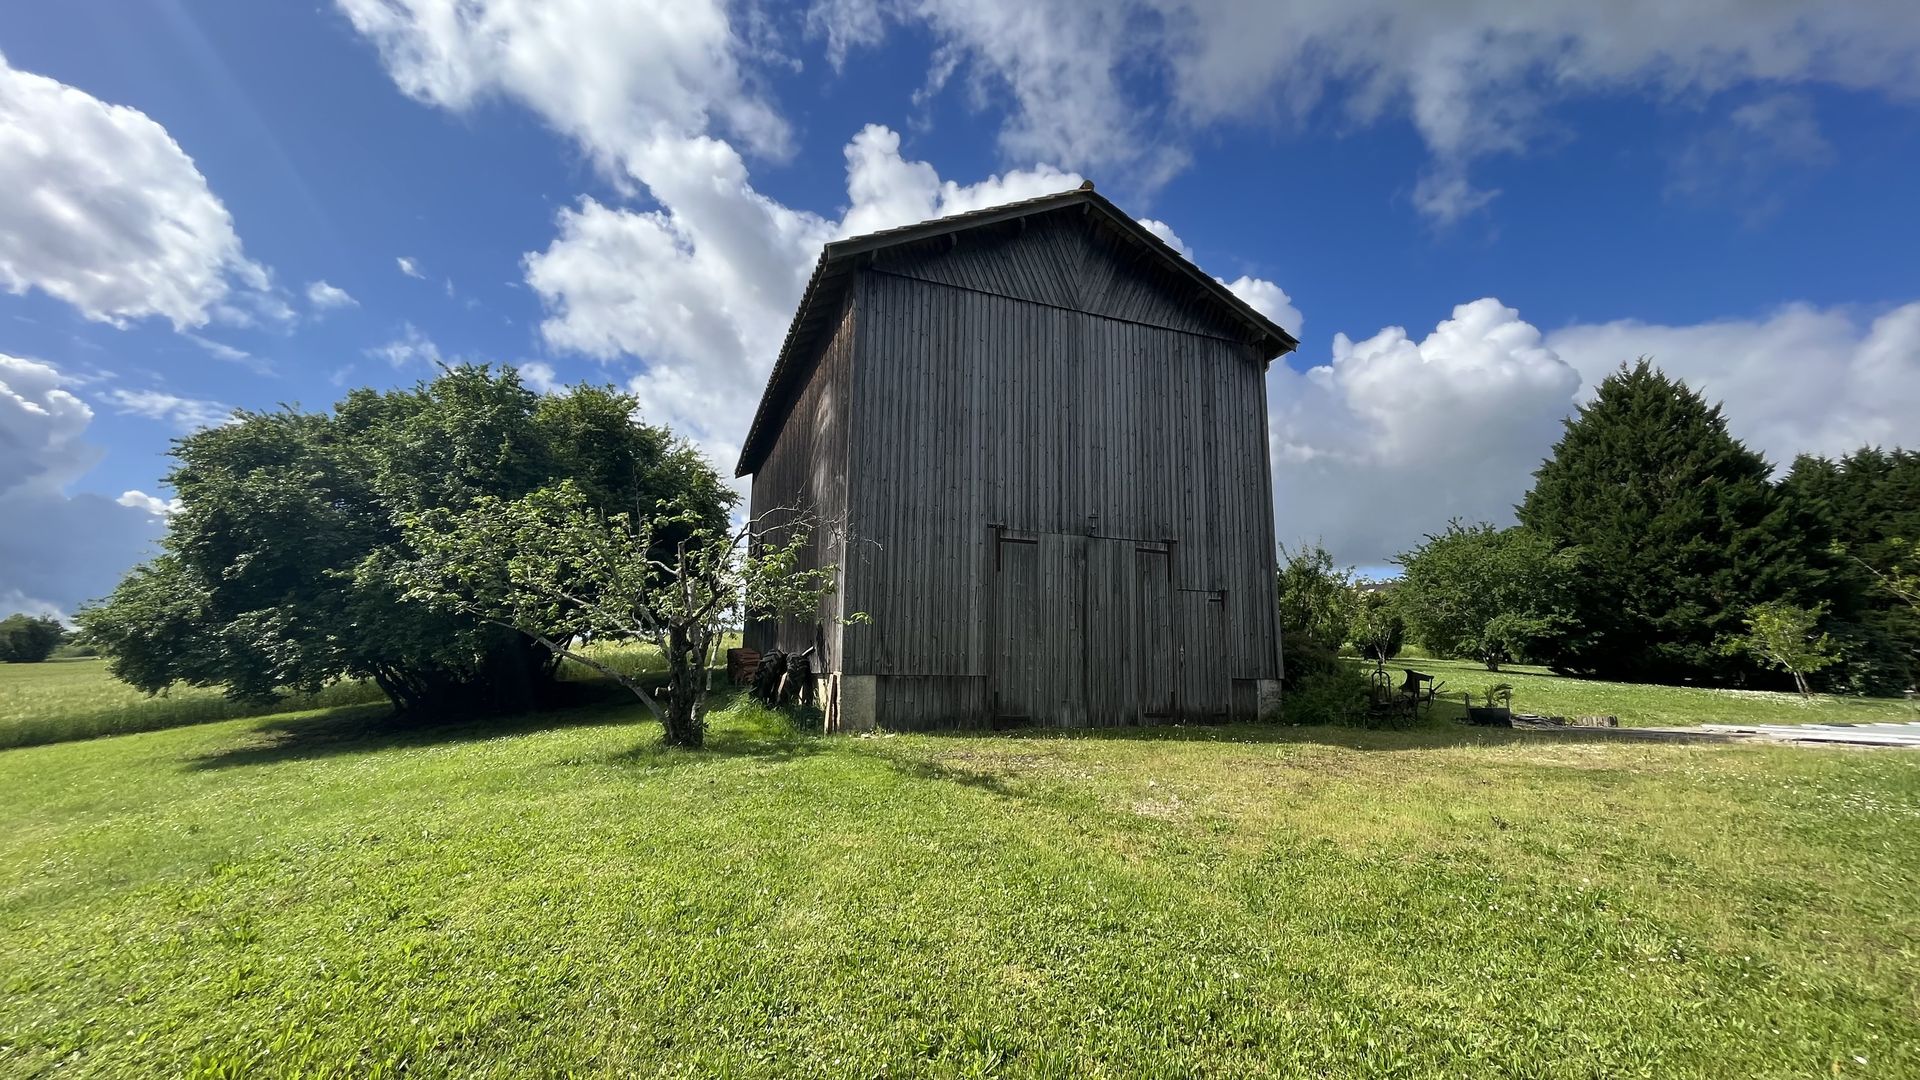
(1441, 728)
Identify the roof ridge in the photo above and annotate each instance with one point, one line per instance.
(838, 259)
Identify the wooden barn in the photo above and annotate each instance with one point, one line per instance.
(1039, 437)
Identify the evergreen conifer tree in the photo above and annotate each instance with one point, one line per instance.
(1678, 528)
(1866, 507)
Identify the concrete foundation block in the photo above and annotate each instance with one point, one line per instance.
(1266, 699)
(859, 697)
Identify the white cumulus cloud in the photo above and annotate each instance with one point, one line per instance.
(1474, 77)
(325, 297)
(184, 413)
(1394, 436)
(151, 504)
(613, 74)
(411, 347)
(1165, 232)
(104, 211)
(539, 376)
(56, 549)
(1803, 379)
(1268, 299)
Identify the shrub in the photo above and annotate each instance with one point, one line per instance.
(1316, 598)
(1335, 694)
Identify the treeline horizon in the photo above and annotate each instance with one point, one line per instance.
(1652, 541)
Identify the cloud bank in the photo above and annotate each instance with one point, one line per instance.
(105, 212)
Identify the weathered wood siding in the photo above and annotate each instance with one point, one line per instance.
(1056, 452)
(807, 471)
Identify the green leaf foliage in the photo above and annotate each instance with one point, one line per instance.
(556, 568)
(272, 575)
(1677, 527)
(1494, 595)
(1317, 609)
(1865, 509)
(1379, 630)
(1787, 637)
(29, 639)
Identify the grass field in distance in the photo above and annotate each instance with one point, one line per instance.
(318, 893)
(1537, 690)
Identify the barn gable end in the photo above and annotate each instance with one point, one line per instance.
(1058, 260)
(1045, 439)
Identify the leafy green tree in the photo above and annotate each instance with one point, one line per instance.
(551, 566)
(1787, 637)
(1379, 631)
(1677, 526)
(275, 574)
(1317, 607)
(1493, 594)
(28, 639)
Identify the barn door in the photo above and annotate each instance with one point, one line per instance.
(1039, 628)
(1106, 661)
(1154, 659)
(1128, 661)
(1016, 693)
(1204, 688)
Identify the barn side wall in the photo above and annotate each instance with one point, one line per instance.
(806, 470)
(992, 408)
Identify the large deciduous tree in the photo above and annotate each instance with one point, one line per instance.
(1491, 594)
(272, 575)
(1677, 528)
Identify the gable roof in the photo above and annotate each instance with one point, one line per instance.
(840, 260)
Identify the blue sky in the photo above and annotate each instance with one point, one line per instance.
(1469, 212)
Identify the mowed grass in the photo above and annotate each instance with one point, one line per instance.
(1537, 690)
(61, 700)
(321, 894)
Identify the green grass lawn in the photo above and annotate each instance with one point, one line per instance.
(1537, 690)
(320, 894)
(76, 699)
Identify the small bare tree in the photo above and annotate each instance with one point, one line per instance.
(548, 566)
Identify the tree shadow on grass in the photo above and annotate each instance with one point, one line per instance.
(582, 703)
(934, 769)
(376, 728)
(769, 743)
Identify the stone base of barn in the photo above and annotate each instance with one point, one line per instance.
(856, 704)
(849, 703)
(1267, 700)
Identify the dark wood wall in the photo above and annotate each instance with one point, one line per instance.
(1058, 480)
(806, 471)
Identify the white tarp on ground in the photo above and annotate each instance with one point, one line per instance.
(1903, 735)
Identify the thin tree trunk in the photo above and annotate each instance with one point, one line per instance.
(683, 723)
